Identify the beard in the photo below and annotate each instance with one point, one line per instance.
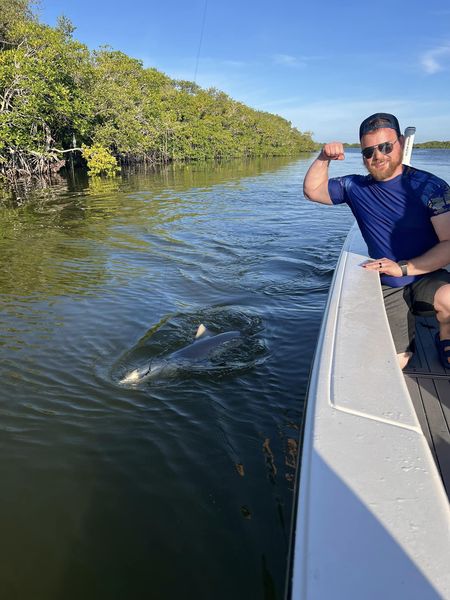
(384, 168)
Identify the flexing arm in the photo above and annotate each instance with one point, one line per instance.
(315, 184)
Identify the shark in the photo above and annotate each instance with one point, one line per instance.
(204, 344)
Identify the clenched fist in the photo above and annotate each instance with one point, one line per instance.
(332, 151)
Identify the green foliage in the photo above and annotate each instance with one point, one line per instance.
(433, 144)
(11, 13)
(100, 161)
(53, 91)
(44, 78)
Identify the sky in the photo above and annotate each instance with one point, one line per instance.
(322, 65)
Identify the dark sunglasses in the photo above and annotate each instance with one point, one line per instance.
(384, 148)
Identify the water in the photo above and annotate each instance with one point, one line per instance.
(182, 486)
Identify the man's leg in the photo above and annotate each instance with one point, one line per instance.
(442, 308)
(403, 359)
(433, 292)
(401, 322)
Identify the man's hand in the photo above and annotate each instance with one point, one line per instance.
(385, 266)
(332, 151)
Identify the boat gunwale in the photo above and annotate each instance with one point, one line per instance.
(304, 559)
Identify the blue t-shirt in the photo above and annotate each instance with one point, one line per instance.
(394, 215)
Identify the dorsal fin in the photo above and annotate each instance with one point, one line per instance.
(201, 331)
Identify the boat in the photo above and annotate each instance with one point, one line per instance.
(371, 513)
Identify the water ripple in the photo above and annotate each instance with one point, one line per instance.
(99, 277)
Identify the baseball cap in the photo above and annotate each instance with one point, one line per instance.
(379, 121)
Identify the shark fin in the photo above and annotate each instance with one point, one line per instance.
(201, 331)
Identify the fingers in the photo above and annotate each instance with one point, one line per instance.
(333, 151)
(383, 265)
(374, 265)
(378, 264)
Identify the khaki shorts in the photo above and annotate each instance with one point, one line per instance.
(403, 303)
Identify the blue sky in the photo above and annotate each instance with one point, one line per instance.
(324, 66)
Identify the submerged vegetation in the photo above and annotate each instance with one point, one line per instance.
(58, 99)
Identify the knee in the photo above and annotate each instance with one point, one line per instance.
(442, 299)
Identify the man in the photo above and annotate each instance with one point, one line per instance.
(404, 217)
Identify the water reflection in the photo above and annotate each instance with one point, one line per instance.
(41, 227)
(136, 491)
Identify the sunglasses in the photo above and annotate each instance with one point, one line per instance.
(384, 148)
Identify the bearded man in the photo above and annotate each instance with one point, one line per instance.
(404, 217)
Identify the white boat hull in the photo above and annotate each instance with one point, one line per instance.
(373, 519)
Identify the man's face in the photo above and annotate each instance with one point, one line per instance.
(383, 166)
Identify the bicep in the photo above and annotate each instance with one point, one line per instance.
(320, 194)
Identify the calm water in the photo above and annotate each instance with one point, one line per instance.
(181, 487)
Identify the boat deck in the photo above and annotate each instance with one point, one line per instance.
(429, 386)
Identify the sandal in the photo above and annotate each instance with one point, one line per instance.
(443, 348)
